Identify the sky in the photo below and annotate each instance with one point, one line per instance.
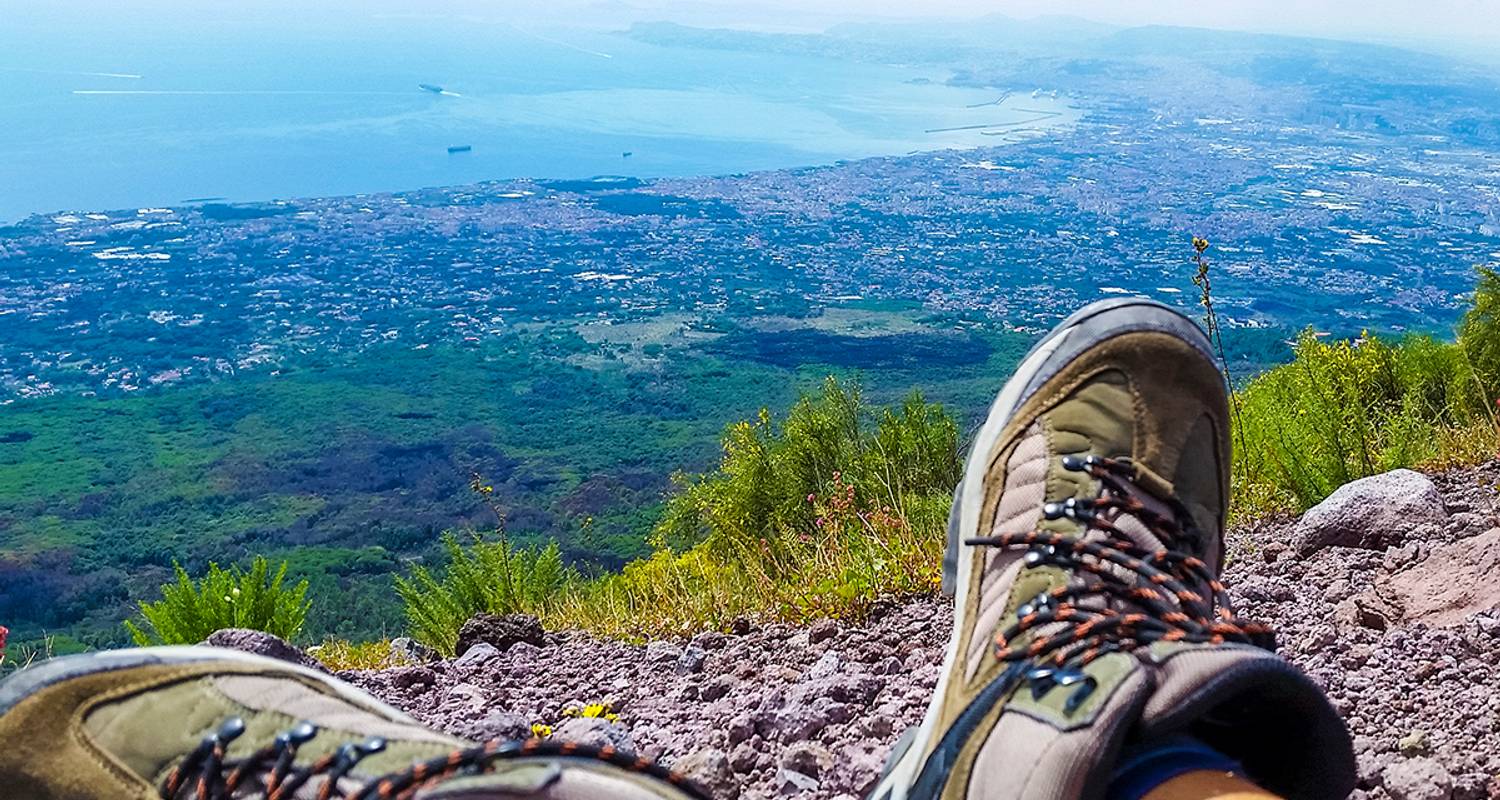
(1463, 27)
(1463, 24)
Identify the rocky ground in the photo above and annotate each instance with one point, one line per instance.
(1386, 594)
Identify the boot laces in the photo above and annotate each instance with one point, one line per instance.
(1123, 596)
(271, 773)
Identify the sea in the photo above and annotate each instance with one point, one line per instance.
(119, 110)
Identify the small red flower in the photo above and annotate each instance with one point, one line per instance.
(4, 632)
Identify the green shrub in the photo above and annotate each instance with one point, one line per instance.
(762, 487)
(1479, 333)
(817, 516)
(1345, 409)
(191, 610)
(483, 576)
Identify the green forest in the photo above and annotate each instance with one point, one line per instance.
(350, 468)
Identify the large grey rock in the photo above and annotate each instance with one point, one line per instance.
(496, 724)
(262, 644)
(595, 732)
(1418, 779)
(1372, 513)
(501, 631)
(826, 666)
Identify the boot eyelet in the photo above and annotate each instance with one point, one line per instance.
(1085, 688)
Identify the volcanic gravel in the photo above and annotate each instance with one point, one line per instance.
(777, 710)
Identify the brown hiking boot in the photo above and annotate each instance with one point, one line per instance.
(1085, 545)
(199, 722)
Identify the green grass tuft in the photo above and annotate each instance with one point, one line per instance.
(483, 576)
(191, 610)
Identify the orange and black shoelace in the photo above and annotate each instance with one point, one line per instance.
(1123, 596)
(271, 773)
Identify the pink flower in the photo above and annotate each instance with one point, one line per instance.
(812, 498)
(4, 632)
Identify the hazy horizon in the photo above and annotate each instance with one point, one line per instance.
(1468, 27)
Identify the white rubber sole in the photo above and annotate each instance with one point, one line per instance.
(31, 680)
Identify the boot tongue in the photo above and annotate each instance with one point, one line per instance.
(1132, 525)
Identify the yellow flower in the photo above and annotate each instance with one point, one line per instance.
(599, 711)
(540, 730)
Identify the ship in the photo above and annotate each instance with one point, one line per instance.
(460, 148)
(427, 87)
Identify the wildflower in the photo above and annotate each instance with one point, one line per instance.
(600, 711)
(591, 711)
(540, 731)
(4, 632)
(812, 498)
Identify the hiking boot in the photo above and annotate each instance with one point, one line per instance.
(200, 722)
(1084, 549)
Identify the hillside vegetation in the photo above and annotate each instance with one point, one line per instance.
(817, 514)
(838, 503)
